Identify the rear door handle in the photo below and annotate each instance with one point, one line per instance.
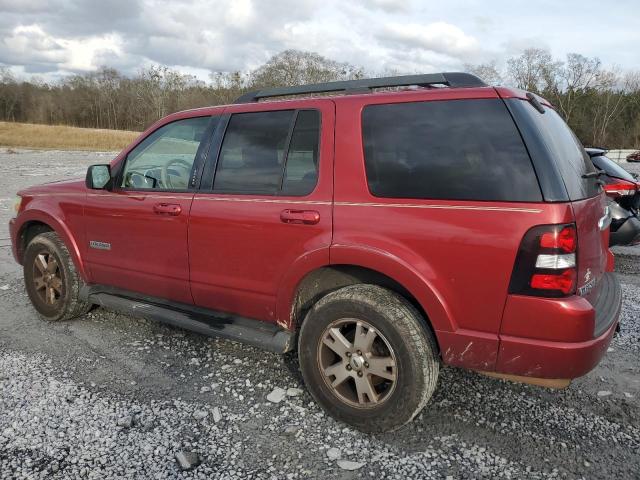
(167, 209)
(307, 217)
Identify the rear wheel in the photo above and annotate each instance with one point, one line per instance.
(367, 357)
(51, 279)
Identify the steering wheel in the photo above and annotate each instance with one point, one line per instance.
(165, 177)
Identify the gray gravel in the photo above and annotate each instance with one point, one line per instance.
(112, 396)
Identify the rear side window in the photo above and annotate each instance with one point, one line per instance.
(459, 149)
(567, 152)
(269, 153)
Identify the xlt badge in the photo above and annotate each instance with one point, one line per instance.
(99, 245)
(588, 286)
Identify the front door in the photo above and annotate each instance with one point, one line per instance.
(268, 208)
(137, 232)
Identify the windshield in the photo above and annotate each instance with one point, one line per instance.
(612, 168)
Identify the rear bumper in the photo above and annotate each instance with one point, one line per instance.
(559, 357)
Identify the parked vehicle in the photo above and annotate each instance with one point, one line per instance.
(634, 157)
(381, 233)
(623, 190)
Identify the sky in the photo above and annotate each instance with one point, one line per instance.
(53, 38)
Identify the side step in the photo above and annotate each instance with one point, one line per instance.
(215, 324)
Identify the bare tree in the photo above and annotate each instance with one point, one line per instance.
(294, 67)
(532, 69)
(609, 106)
(571, 80)
(9, 94)
(227, 86)
(601, 106)
(489, 72)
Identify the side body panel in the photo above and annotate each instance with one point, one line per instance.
(242, 254)
(455, 257)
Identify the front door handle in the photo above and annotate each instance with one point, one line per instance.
(306, 217)
(167, 209)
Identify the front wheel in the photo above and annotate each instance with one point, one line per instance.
(368, 358)
(51, 279)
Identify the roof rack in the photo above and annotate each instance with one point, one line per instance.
(449, 79)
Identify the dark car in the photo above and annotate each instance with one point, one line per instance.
(382, 234)
(623, 189)
(634, 157)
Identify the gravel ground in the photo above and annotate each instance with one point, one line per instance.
(112, 396)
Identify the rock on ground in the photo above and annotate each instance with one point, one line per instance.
(277, 395)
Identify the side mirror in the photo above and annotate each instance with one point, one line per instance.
(98, 177)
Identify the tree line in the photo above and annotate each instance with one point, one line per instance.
(601, 105)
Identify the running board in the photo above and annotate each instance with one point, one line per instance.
(215, 324)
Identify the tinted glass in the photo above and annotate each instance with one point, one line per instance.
(252, 155)
(301, 172)
(612, 168)
(164, 160)
(567, 152)
(461, 149)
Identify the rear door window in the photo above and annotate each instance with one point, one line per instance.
(458, 149)
(252, 153)
(269, 153)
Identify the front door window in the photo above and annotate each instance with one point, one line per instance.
(165, 159)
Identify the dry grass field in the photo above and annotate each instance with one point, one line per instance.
(28, 135)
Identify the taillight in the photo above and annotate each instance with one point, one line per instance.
(546, 262)
(565, 239)
(564, 282)
(620, 188)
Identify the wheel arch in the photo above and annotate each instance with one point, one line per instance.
(35, 222)
(325, 279)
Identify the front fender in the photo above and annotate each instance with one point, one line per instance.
(56, 221)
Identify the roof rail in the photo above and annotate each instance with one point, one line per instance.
(450, 79)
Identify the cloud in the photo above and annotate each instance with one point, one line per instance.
(58, 36)
(30, 46)
(22, 6)
(438, 37)
(390, 5)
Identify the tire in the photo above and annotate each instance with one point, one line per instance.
(56, 297)
(387, 385)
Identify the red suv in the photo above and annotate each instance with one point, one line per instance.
(382, 232)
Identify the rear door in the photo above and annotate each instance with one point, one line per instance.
(584, 192)
(268, 208)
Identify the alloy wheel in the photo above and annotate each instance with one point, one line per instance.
(47, 278)
(357, 363)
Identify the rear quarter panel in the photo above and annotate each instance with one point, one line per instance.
(455, 257)
(593, 245)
